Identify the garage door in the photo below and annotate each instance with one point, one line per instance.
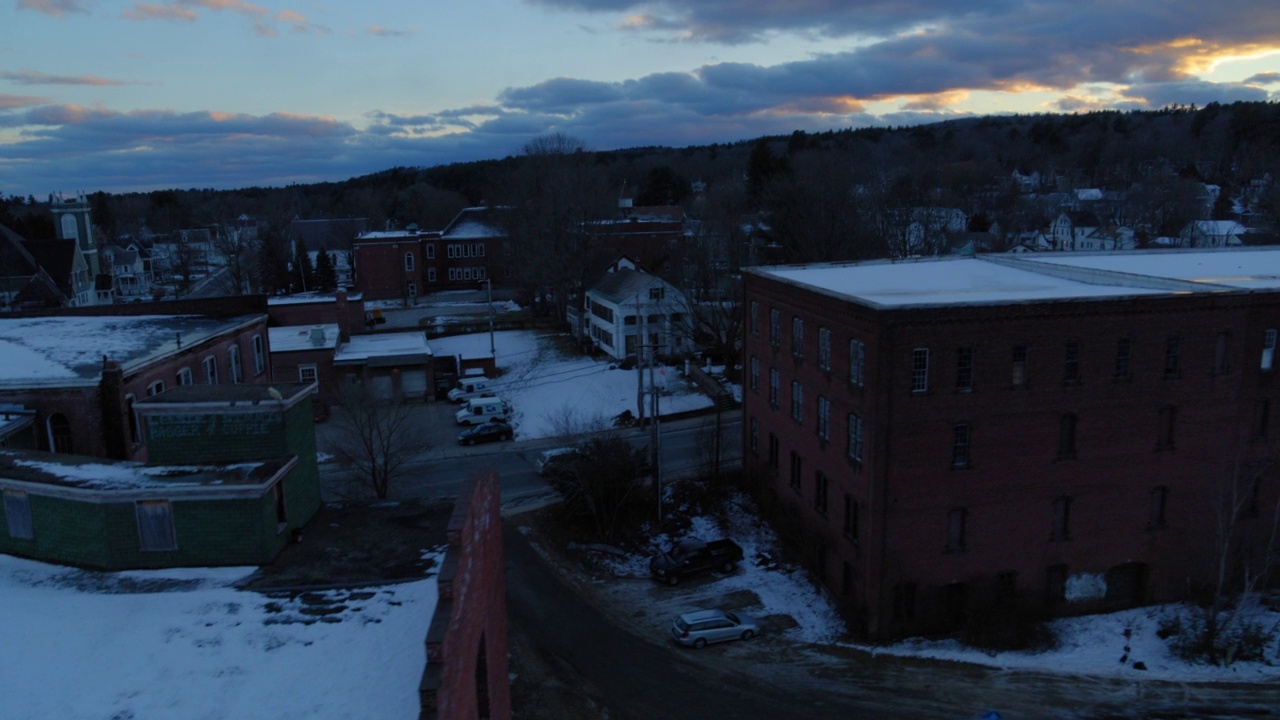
(413, 384)
(382, 387)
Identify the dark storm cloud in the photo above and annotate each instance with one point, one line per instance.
(1194, 93)
(1263, 78)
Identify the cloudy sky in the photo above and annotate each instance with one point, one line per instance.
(118, 96)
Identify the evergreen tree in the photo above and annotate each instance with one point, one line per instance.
(326, 275)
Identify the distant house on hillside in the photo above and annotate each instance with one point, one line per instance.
(1211, 233)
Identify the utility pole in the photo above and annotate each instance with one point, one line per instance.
(639, 347)
(489, 286)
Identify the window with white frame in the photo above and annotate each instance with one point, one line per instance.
(824, 418)
(775, 381)
(920, 370)
(797, 401)
(211, 370)
(17, 514)
(233, 363)
(431, 275)
(430, 250)
(408, 262)
(259, 355)
(775, 326)
(857, 363)
(824, 349)
(155, 388)
(156, 531)
(755, 373)
(308, 374)
(184, 377)
(1268, 349)
(797, 337)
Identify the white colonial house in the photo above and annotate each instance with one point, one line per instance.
(629, 307)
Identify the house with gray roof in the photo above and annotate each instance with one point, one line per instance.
(629, 308)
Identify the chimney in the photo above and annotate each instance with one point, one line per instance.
(344, 319)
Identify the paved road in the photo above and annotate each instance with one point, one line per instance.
(440, 469)
(588, 647)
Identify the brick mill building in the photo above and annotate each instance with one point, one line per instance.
(939, 436)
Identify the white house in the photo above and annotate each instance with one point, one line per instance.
(1211, 233)
(628, 304)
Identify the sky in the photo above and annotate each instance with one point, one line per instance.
(123, 96)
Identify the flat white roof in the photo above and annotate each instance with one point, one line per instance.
(292, 338)
(1004, 278)
(362, 348)
(1248, 268)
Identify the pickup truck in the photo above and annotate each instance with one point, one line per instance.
(692, 557)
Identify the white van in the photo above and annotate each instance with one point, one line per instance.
(483, 409)
(470, 387)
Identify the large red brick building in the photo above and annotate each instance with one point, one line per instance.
(938, 436)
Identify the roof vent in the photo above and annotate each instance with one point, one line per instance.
(317, 336)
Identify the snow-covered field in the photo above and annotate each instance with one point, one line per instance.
(552, 392)
(1091, 645)
(184, 643)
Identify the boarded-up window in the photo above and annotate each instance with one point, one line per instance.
(17, 513)
(155, 525)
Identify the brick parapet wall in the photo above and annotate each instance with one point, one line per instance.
(467, 639)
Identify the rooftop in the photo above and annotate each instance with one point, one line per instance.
(88, 473)
(293, 338)
(1001, 279)
(404, 347)
(68, 351)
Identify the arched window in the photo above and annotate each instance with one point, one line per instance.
(408, 262)
(59, 433)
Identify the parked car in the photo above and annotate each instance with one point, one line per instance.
(486, 432)
(698, 628)
(549, 461)
(692, 557)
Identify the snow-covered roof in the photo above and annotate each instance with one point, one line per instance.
(68, 351)
(311, 297)
(1004, 279)
(622, 285)
(384, 348)
(475, 223)
(293, 338)
(87, 473)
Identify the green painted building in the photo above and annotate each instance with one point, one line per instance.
(231, 474)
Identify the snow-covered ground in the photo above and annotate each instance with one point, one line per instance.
(184, 643)
(552, 392)
(1092, 645)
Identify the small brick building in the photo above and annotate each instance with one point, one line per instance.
(232, 474)
(939, 436)
(82, 369)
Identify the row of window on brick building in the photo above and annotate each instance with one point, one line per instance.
(1019, 375)
(209, 376)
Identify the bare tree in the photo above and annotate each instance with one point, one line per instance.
(603, 486)
(376, 437)
(237, 252)
(1244, 554)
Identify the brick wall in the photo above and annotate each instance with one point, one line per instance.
(907, 485)
(466, 674)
